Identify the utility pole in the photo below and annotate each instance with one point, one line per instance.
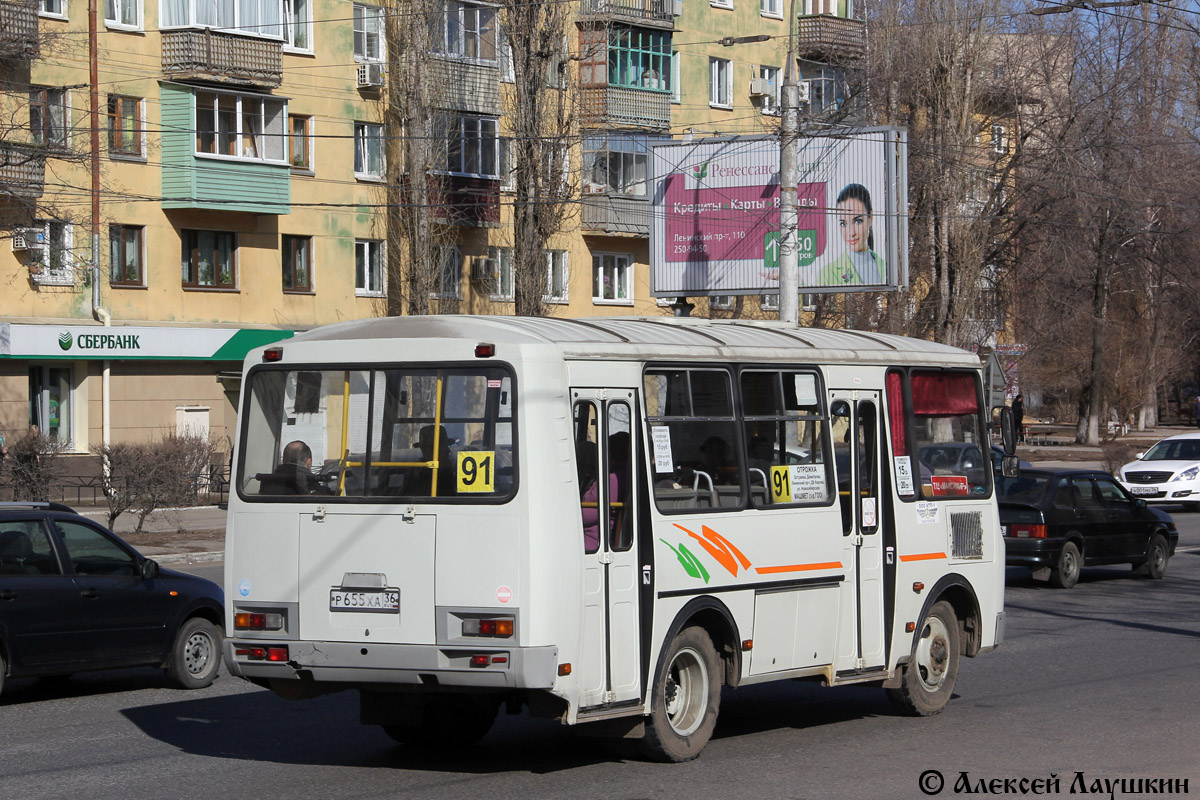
(789, 156)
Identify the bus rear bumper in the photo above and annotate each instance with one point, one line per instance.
(356, 663)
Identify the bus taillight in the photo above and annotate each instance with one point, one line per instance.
(255, 621)
(496, 626)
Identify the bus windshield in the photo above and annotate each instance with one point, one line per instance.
(388, 432)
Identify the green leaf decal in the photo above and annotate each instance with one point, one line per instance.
(691, 564)
(64, 340)
(701, 171)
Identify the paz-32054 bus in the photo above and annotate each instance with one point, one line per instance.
(606, 520)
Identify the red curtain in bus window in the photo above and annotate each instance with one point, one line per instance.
(895, 400)
(943, 394)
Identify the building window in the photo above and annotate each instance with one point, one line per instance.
(368, 150)
(297, 263)
(368, 268)
(999, 139)
(639, 58)
(125, 255)
(124, 125)
(612, 277)
(677, 81)
(769, 103)
(615, 163)
(466, 30)
(297, 25)
(771, 8)
(53, 8)
(769, 302)
(557, 290)
(260, 17)
(52, 401)
(721, 3)
(501, 287)
(508, 68)
(449, 278)
(56, 261)
(368, 33)
(245, 127)
(48, 117)
(473, 147)
(123, 13)
(508, 170)
(721, 302)
(300, 143)
(720, 74)
(208, 259)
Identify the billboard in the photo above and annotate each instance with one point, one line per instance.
(715, 214)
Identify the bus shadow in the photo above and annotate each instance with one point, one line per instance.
(796, 705)
(257, 726)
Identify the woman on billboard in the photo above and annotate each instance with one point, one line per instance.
(860, 264)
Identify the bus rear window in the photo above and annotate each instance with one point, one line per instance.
(403, 434)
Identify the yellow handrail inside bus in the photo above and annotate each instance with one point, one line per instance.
(437, 434)
(345, 460)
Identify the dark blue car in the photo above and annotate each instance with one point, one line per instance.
(75, 597)
(1057, 521)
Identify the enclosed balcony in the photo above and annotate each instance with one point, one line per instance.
(208, 55)
(830, 39)
(627, 108)
(649, 13)
(19, 29)
(22, 169)
(465, 86)
(613, 215)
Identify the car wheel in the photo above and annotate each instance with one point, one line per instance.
(932, 669)
(3, 670)
(685, 700)
(1156, 557)
(448, 721)
(1066, 573)
(195, 656)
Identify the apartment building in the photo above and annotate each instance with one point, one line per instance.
(246, 163)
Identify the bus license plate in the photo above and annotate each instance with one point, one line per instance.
(1143, 490)
(381, 601)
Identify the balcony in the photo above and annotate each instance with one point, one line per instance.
(614, 215)
(627, 108)
(466, 86)
(22, 169)
(647, 13)
(19, 30)
(830, 39)
(461, 200)
(208, 55)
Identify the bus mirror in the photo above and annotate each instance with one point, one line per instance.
(1008, 431)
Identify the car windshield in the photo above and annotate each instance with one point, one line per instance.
(1023, 488)
(1174, 450)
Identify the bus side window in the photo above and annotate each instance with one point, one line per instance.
(587, 465)
(620, 468)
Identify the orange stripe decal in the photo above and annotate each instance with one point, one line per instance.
(798, 567)
(922, 556)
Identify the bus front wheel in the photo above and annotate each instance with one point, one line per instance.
(685, 698)
(932, 668)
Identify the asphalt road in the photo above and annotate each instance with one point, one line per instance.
(1099, 680)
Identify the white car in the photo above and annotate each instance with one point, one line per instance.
(1169, 472)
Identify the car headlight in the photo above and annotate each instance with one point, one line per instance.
(1187, 474)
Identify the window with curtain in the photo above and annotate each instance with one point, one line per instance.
(258, 17)
(247, 127)
(125, 255)
(209, 259)
(124, 125)
(639, 58)
(949, 450)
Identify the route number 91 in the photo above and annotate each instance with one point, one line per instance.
(476, 471)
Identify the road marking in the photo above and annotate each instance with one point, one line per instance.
(1187, 549)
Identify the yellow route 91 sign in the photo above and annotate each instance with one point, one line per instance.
(781, 485)
(476, 471)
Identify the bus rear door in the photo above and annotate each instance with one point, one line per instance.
(605, 444)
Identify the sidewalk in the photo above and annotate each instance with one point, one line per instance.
(196, 535)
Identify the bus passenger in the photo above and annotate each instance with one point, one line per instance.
(421, 482)
(293, 474)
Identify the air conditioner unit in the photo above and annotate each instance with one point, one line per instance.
(678, 8)
(370, 75)
(761, 87)
(28, 238)
(482, 269)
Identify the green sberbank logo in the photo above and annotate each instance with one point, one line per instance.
(100, 341)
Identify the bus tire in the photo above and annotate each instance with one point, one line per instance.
(685, 698)
(932, 668)
(1066, 573)
(448, 721)
(195, 655)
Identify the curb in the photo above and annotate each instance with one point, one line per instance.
(190, 558)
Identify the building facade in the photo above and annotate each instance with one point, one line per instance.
(246, 166)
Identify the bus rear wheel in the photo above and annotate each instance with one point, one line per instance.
(932, 668)
(447, 721)
(685, 699)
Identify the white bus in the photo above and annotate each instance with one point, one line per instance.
(607, 520)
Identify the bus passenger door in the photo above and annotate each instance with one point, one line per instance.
(604, 446)
(856, 439)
